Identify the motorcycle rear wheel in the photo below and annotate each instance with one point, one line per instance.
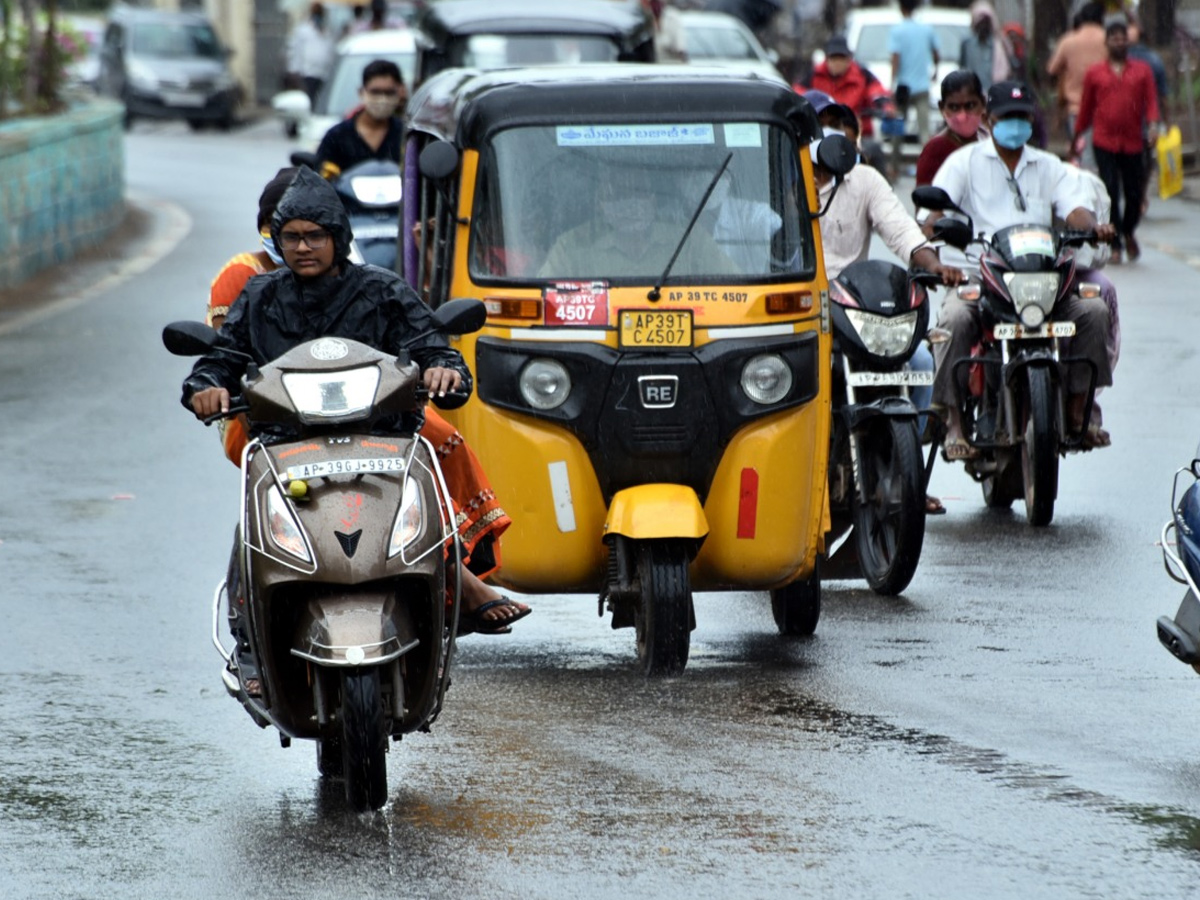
(663, 618)
(364, 739)
(797, 607)
(889, 529)
(1039, 452)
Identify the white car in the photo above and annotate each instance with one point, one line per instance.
(867, 33)
(340, 93)
(718, 39)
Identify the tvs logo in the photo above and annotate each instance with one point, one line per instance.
(329, 349)
(658, 391)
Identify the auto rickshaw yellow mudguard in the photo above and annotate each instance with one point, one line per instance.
(650, 511)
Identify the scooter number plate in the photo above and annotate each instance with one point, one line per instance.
(373, 232)
(655, 328)
(1010, 331)
(323, 469)
(870, 379)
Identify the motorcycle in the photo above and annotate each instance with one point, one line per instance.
(1181, 635)
(877, 476)
(1013, 407)
(343, 590)
(371, 193)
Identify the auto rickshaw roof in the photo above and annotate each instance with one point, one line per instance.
(625, 20)
(464, 106)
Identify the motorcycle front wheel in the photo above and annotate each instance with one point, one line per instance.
(364, 739)
(663, 618)
(889, 505)
(1039, 452)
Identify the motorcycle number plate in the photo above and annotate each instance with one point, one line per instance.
(378, 464)
(1011, 331)
(870, 379)
(656, 328)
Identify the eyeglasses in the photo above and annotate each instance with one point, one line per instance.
(316, 240)
(1018, 197)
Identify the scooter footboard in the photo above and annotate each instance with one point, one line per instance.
(362, 628)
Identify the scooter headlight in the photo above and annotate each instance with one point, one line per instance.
(1036, 289)
(408, 521)
(377, 190)
(282, 526)
(883, 335)
(332, 395)
(545, 384)
(766, 379)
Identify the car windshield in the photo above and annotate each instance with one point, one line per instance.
(174, 39)
(872, 43)
(611, 202)
(718, 43)
(494, 51)
(341, 91)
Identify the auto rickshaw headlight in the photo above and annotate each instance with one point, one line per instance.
(545, 384)
(766, 379)
(408, 520)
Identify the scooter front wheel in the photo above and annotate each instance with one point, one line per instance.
(663, 619)
(364, 739)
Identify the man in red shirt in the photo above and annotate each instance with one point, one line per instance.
(848, 83)
(1119, 102)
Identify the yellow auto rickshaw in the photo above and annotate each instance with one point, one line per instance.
(652, 399)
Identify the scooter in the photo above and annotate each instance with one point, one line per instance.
(1013, 407)
(877, 476)
(1181, 634)
(344, 587)
(371, 193)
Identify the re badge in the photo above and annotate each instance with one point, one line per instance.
(658, 391)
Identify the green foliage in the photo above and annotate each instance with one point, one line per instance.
(33, 60)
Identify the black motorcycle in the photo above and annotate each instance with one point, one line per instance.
(1011, 392)
(1181, 558)
(877, 476)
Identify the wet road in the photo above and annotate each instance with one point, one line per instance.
(1009, 728)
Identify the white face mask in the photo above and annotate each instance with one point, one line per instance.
(381, 107)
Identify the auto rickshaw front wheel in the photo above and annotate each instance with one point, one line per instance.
(664, 618)
(797, 606)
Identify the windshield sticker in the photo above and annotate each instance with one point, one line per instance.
(1025, 243)
(576, 303)
(743, 134)
(633, 135)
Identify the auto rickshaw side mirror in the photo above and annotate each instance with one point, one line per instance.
(438, 161)
(461, 316)
(189, 338)
(838, 154)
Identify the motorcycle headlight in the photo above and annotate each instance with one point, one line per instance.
(545, 384)
(282, 526)
(766, 379)
(332, 395)
(883, 335)
(408, 521)
(1039, 289)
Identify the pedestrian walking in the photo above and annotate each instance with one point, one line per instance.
(310, 53)
(913, 46)
(1076, 52)
(1120, 105)
(987, 51)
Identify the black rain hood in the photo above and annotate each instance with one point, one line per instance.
(312, 198)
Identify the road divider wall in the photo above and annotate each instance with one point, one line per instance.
(62, 186)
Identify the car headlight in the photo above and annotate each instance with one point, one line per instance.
(282, 526)
(883, 335)
(141, 76)
(330, 395)
(766, 379)
(1037, 289)
(545, 384)
(408, 521)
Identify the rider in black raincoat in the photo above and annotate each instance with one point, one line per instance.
(282, 309)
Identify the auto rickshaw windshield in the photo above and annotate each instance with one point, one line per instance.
(612, 202)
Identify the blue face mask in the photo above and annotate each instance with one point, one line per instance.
(1012, 134)
(268, 245)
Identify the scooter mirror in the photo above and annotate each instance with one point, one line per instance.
(304, 159)
(188, 338)
(438, 161)
(838, 154)
(953, 232)
(462, 316)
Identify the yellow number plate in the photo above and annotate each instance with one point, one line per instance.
(656, 328)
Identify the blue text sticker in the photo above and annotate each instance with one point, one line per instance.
(633, 135)
(743, 134)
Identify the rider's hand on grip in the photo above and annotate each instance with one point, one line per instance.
(213, 401)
